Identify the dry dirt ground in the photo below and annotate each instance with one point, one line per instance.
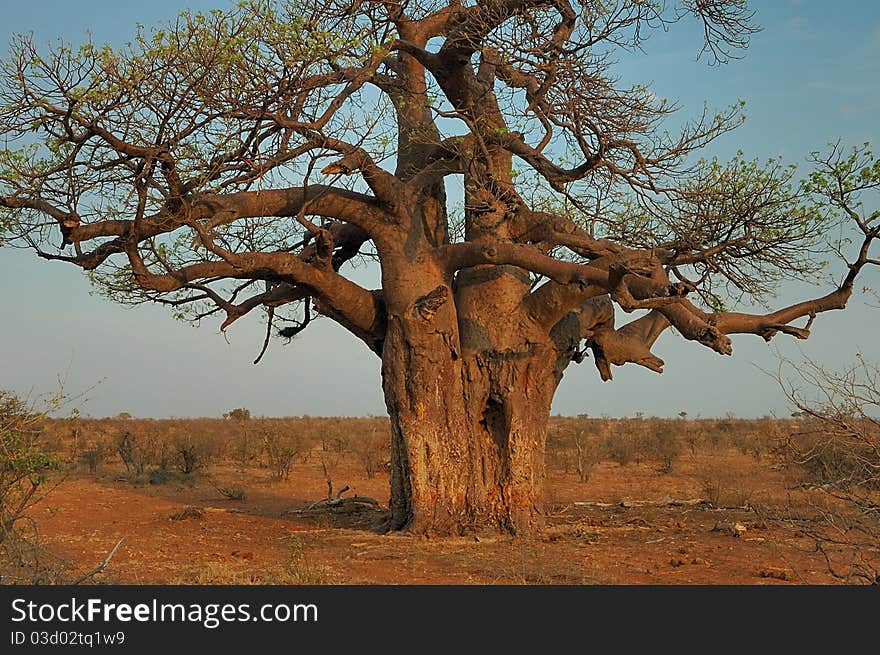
(615, 528)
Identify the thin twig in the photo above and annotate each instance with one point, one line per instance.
(100, 569)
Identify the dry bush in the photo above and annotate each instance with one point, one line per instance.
(837, 451)
(717, 436)
(837, 447)
(90, 445)
(589, 453)
(93, 453)
(194, 446)
(142, 443)
(664, 444)
(26, 463)
(724, 485)
(131, 456)
(759, 437)
(245, 447)
(576, 444)
(371, 447)
(336, 435)
(558, 453)
(147, 446)
(282, 443)
(620, 447)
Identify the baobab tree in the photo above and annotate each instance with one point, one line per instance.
(245, 159)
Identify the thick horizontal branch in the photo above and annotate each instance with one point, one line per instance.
(346, 241)
(770, 324)
(557, 230)
(694, 327)
(221, 209)
(620, 275)
(437, 23)
(457, 256)
(37, 204)
(353, 306)
(316, 200)
(551, 301)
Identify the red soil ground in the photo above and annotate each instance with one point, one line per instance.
(262, 539)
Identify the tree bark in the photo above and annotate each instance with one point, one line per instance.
(468, 437)
(469, 412)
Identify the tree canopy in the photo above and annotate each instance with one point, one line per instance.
(291, 131)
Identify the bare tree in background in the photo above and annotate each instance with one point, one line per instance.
(839, 449)
(248, 159)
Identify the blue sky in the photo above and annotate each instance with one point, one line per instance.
(809, 77)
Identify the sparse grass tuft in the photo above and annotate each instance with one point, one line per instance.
(296, 569)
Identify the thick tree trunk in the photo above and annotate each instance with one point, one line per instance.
(468, 433)
(429, 454)
(507, 399)
(468, 378)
